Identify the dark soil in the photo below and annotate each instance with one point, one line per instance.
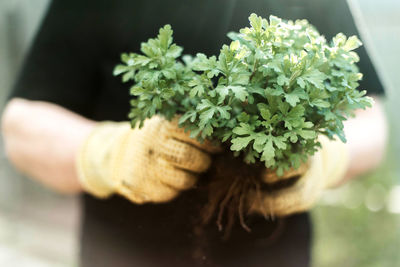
(230, 182)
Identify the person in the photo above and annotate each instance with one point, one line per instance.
(66, 90)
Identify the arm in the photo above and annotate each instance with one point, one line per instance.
(366, 139)
(42, 140)
(62, 68)
(70, 153)
(334, 164)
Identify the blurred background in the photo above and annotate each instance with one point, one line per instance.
(355, 225)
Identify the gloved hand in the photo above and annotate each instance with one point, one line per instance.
(325, 169)
(151, 164)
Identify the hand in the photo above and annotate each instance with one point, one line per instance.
(325, 169)
(151, 164)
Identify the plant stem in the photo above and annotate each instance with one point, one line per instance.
(254, 70)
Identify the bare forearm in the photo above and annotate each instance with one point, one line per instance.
(366, 139)
(42, 140)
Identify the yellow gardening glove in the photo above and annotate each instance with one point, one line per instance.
(325, 169)
(151, 164)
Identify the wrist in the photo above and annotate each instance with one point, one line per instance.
(336, 159)
(94, 166)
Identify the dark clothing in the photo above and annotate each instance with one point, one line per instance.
(117, 233)
(70, 64)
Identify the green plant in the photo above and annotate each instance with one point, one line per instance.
(269, 94)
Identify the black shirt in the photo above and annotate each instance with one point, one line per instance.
(70, 64)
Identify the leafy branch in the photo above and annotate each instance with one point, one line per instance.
(268, 94)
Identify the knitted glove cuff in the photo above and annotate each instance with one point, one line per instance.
(94, 158)
(336, 159)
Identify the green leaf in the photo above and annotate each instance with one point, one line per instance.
(250, 156)
(191, 115)
(240, 79)
(239, 92)
(197, 90)
(296, 112)
(202, 63)
(274, 21)
(240, 143)
(165, 36)
(264, 111)
(275, 92)
(301, 82)
(269, 93)
(137, 90)
(243, 117)
(119, 69)
(243, 129)
(294, 97)
(280, 142)
(207, 130)
(320, 103)
(174, 51)
(169, 74)
(282, 80)
(255, 22)
(315, 77)
(352, 43)
(259, 142)
(128, 76)
(292, 136)
(167, 93)
(224, 112)
(207, 115)
(307, 134)
(157, 102)
(268, 153)
(204, 104)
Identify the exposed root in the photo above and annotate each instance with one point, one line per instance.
(259, 200)
(231, 183)
(233, 187)
(232, 192)
(229, 188)
(241, 216)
